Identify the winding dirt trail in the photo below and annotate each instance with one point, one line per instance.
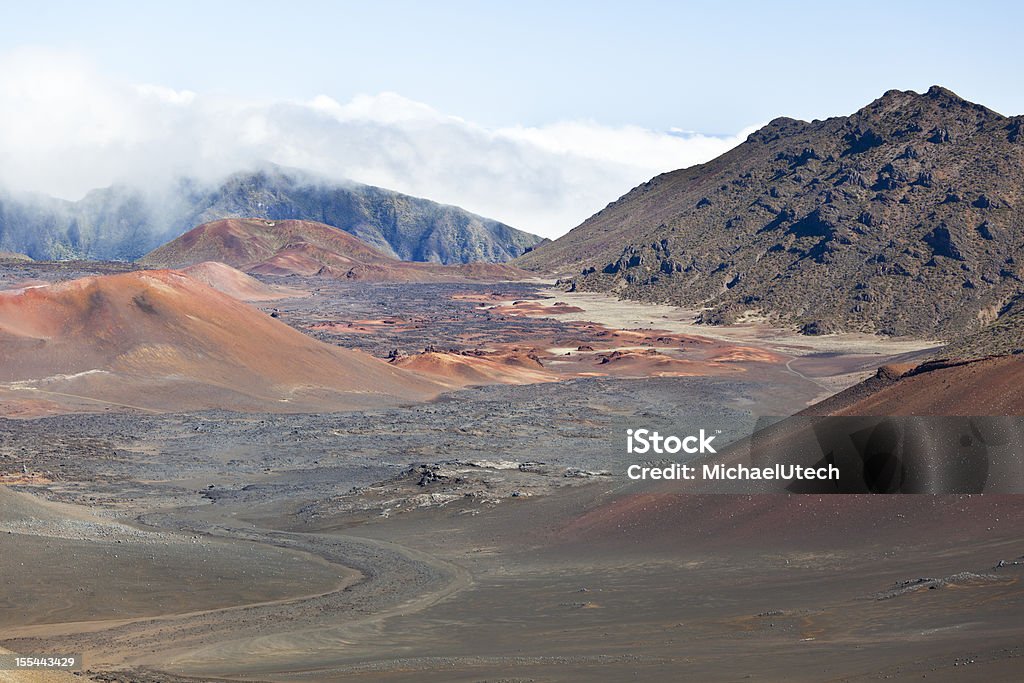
(299, 633)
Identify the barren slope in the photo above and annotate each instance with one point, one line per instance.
(237, 284)
(249, 243)
(160, 340)
(469, 369)
(987, 386)
(908, 213)
(293, 247)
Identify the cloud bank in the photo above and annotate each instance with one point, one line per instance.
(65, 129)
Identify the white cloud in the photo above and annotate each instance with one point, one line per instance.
(627, 145)
(66, 129)
(168, 95)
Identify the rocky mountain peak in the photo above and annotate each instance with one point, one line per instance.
(909, 213)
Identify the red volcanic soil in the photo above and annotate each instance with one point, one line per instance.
(989, 386)
(479, 368)
(660, 338)
(249, 243)
(655, 353)
(307, 248)
(674, 514)
(652, 363)
(159, 340)
(237, 284)
(303, 259)
(746, 354)
(674, 520)
(537, 309)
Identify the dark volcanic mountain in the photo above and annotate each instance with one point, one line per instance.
(904, 218)
(125, 223)
(1005, 335)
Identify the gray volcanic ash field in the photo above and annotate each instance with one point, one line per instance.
(480, 526)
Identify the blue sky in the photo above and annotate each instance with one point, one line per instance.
(710, 66)
(585, 82)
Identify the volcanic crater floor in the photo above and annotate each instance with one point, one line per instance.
(491, 533)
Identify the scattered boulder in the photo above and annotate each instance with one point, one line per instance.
(817, 328)
(942, 244)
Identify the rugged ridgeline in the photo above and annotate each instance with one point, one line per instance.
(904, 218)
(125, 223)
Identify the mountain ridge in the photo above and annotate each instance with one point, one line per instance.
(123, 222)
(904, 213)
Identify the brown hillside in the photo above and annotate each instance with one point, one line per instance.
(468, 369)
(237, 284)
(159, 340)
(246, 244)
(307, 248)
(987, 386)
